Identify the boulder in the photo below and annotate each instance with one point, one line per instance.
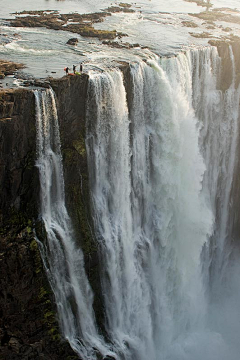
(72, 41)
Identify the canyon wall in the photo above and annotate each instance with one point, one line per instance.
(28, 321)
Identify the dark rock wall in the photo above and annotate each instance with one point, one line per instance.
(224, 83)
(28, 324)
(19, 179)
(71, 94)
(225, 79)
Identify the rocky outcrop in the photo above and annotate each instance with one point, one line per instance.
(219, 14)
(81, 24)
(72, 41)
(28, 322)
(223, 47)
(8, 68)
(121, 8)
(120, 45)
(28, 325)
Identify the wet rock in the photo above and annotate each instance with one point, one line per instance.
(227, 29)
(222, 14)
(9, 67)
(25, 296)
(81, 24)
(125, 5)
(115, 9)
(72, 41)
(44, 84)
(225, 78)
(120, 45)
(203, 35)
(190, 24)
(211, 27)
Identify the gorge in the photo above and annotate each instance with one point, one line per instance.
(126, 180)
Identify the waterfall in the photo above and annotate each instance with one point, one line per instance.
(219, 142)
(161, 151)
(62, 257)
(161, 171)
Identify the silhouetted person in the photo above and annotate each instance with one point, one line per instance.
(81, 68)
(66, 69)
(74, 69)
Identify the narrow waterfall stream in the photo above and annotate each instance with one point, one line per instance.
(63, 259)
(161, 158)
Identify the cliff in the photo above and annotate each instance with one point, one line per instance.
(28, 324)
(71, 94)
(223, 47)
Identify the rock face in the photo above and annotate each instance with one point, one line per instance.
(223, 47)
(18, 178)
(71, 93)
(28, 324)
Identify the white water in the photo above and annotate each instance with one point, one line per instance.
(220, 139)
(156, 202)
(161, 171)
(62, 258)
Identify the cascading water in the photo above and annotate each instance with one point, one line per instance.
(62, 258)
(161, 161)
(219, 139)
(155, 205)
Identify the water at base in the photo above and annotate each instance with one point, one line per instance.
(63, 259)
(157, 171)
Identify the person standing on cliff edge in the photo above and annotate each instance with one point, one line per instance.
(81, 68)
(74, 69)
(66, 69)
